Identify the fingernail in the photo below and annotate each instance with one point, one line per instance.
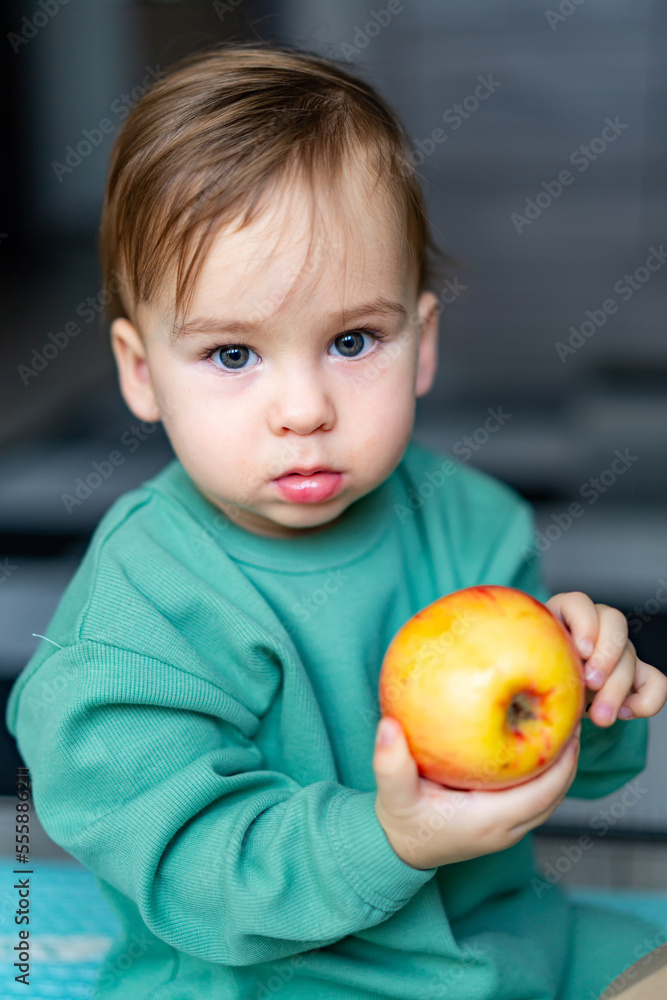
(625, 712)
(585, 647)
(594, 676)
(605, 711)
(386, 733)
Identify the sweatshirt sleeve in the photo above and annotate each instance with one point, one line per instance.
(609, 757)
(146, 774)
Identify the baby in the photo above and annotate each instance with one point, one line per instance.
(200, 722)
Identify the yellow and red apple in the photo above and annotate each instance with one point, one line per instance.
(487, 685)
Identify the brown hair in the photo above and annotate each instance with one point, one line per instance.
(225, 125)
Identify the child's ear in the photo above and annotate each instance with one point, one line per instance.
(133, 372)
(427, 362)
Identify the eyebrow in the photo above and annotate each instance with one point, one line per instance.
(214, 325)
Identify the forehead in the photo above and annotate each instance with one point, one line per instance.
(307, 248)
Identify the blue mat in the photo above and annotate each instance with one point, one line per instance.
(71, 927)
(71, 930)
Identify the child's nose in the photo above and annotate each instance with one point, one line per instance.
(302, 402)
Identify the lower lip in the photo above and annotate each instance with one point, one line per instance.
(310, 489)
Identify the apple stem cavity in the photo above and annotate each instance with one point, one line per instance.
(520, 709)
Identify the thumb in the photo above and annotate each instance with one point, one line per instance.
(395, 768)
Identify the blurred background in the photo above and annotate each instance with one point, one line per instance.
(540, 139)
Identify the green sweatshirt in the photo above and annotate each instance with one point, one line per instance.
(199, 731)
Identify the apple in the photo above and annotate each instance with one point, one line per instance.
(487, 685)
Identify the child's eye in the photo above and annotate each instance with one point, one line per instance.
(350, 340)
(233, 357)
(235, 354)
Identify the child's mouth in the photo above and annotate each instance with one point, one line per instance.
(313, 488)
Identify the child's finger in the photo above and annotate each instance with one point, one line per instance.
(609, 697)
(578, 613)
(650, 694)
(395, 768)
(611, 642)
(560, 775)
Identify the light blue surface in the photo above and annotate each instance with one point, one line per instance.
(71, 927)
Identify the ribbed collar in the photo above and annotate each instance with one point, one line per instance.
(354, 533)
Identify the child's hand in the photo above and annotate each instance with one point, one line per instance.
(612, 668)
(428, 824)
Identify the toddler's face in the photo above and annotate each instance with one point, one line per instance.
(300, 386)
